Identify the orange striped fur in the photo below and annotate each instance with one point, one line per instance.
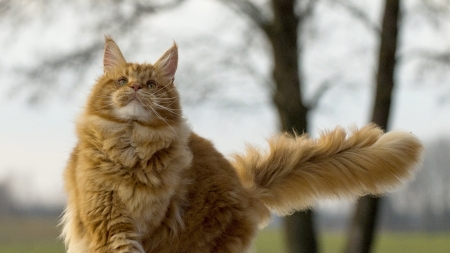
(139, 180)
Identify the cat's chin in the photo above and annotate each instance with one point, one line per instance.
(133, 111)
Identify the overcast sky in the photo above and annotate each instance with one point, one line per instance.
(36, 142)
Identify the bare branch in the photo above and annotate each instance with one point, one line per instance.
(152, 8)
(434, 11)
(250, 10)
(5, 6)
(239, 63)
(43, 76)
(324, 87)
(306, 11)
(427, 55)
(357, 14)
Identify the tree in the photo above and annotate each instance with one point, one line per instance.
(6, 202)
(424, 204)
(362, 228)
(115, 16)
(280, 21)
(282, 32)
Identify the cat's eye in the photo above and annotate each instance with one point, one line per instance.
(151, 84)
(122, 81)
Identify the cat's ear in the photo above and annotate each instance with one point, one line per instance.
(169, 61)
(112, 57)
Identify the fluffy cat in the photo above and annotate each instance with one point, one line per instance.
(139, 180)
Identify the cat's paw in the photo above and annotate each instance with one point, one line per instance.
(127, 246)
(136, 248)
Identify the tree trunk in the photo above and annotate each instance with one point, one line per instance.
(363, 225)
(283, 36)
(300, 233)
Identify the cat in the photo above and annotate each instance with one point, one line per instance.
(140, 180)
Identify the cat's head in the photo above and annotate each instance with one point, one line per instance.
(144, 93)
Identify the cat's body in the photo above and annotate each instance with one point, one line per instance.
(191, 206)
(139, 180)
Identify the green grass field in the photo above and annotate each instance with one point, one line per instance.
(271, 241)
(33, 235)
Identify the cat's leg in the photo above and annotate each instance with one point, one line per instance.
(74, 238)
(238, 236)
(110, 227)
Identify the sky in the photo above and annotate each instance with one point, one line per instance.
(35, 141)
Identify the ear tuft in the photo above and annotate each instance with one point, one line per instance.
(168, 62)
(112, 56)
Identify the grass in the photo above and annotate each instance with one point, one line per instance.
(39, 235)
(413, 242)
(31, 235)
(271, 240)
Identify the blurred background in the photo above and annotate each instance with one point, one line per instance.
(248, 69)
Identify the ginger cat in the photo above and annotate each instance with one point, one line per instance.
(139, 180)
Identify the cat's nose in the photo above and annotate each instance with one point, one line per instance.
(136, 86)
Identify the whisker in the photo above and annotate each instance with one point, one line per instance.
(162, 100)
(164, 86)
(159, 116)
(170, 98)
(166, 108)
(166, 91)
(100, 108)
(102, 96)
(171, 104)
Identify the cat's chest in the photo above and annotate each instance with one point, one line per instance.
(134, 146)
(145, 206)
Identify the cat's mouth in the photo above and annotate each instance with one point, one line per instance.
(134, 98)
(132, 109)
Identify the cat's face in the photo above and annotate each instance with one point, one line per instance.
(143, 93)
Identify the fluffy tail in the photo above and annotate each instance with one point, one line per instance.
(299, 171)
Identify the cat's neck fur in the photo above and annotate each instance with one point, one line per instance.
(133, 146)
